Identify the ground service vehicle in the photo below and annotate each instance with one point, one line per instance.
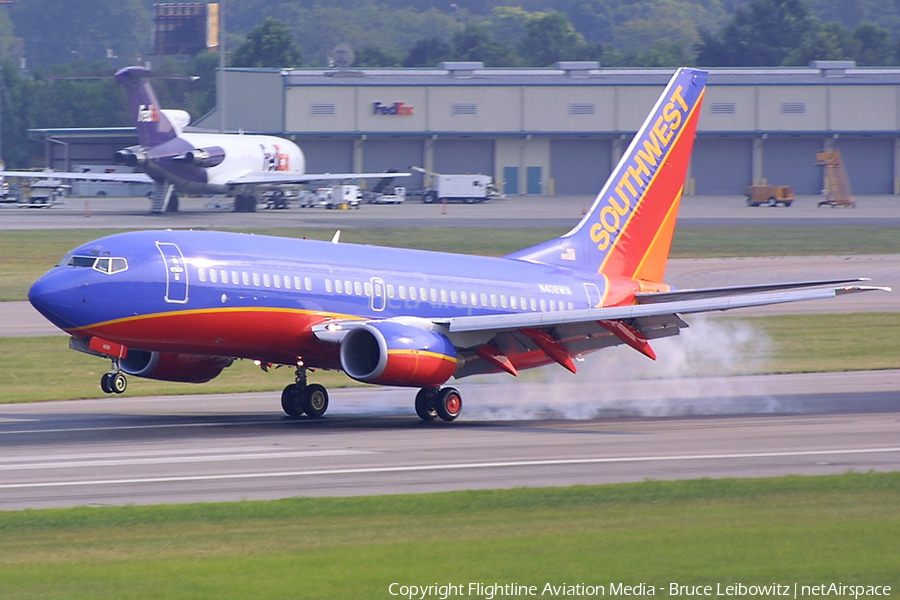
(770, 195)
(459, 188)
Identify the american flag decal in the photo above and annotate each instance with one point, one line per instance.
(569, 254)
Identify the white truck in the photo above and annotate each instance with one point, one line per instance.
(457, 188)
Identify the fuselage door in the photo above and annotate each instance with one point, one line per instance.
(378, 294)
(593, 295)
(176, 273)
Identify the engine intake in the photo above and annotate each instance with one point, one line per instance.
(392, 353)
(170, 366)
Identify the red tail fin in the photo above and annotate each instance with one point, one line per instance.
(628, 231)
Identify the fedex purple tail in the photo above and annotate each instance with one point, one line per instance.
(152, 124)
(628, 230)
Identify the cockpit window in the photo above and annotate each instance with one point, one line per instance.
(105, 264)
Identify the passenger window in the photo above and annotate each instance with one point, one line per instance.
(339, 286)
(256, 279)
(202, 274)
(484, 299)
(464, 296)
(533, 304)
(494, 300)
(348, 288)
(502, 301)
(412, 293)
(245, 278)
(390, 290)
(543, 305)
(513, 303)
(553, 305)
(235, 278)
(402, 292)
(297, 283)
(214, 276)
(277, 281)
(367, 288)
(267, 280)
(223, 276)
(423, 294)
(308, 282)
(328, 286)
(287, 282)
(357, 288)
(454, 299)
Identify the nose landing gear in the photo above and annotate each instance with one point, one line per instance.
(114, 382)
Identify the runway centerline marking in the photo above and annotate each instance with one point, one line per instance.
(71, 463)
(450, 467)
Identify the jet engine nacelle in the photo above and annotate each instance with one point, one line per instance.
(204, 157)
(131, 157)
(170, 366)
(391, 353)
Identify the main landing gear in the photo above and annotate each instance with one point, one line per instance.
(114, 382)
(300, 398)
(433, 402)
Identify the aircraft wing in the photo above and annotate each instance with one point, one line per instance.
(69, 176)
(487, 341)
(668, 304)
(283, 177)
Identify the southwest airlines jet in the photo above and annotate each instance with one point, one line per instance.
(182, 305)
(198, 163)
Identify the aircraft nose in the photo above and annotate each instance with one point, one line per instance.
(52, 296)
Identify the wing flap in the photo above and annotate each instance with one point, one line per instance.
(284, 177)
(64, 175)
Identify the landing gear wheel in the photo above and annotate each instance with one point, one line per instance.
(105, 385)
(290, 401)
(425, 400)
(117, 383)
(315, 401)
(448, 404)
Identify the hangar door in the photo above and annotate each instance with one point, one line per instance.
(399, 155)
(579, 166)
(792, 161)
(869, 163)
(327, 156)
(464, 156)
(721, 165)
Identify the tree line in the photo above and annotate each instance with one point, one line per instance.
(66, 80)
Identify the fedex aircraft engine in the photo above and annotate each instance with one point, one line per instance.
(170, 366)
(392, 353)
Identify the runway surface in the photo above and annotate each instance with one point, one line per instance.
(519, 211)
(235, 447)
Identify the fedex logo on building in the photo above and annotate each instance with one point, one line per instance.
(397, 108)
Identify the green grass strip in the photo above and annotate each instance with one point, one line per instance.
(810, 530)
(25, 255)
(43, 368)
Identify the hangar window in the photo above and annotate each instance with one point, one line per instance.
(321, 110)
(793, 108)
(465, 108)
(722, 108)
(581, 108)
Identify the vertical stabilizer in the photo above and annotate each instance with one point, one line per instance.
(153, 127)
(628, 230)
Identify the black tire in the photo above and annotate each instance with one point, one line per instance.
(448, 404)
(469, 200)
(105, 384)
(429, 197)
(773, 202)
(290, 402)
(118, 383)
(315, 401)
(425, 404)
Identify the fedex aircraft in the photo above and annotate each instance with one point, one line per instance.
(199, 163)
(182, 305)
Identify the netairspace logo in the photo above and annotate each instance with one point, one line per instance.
(489, 591)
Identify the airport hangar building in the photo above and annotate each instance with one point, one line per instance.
(557, 130)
